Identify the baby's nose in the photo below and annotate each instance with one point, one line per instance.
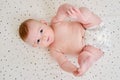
(44, 38)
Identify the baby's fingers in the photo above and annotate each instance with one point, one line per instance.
(75, 73)
(70, 12)
(76, 10)
(80, 72)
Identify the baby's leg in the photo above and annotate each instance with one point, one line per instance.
(91, 19)
(87, 57)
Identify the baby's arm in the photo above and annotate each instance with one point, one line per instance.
(63, 62)
(61, 13)
(84, 16)
(91, 18)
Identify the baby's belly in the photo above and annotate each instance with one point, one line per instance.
(74, 48)
(71, 38)
(76, 41)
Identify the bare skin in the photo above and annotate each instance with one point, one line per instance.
(67, 37)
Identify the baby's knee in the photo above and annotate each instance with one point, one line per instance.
(93, 50)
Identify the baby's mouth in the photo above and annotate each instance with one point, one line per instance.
(47, 39)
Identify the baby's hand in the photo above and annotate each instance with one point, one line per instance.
(78, 72)
(63, 10)
(74, 13)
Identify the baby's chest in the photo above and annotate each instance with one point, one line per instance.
(70, 43)
(69, 38)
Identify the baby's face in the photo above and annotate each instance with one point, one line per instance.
(40, 34)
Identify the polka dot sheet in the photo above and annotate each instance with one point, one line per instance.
(19, 61)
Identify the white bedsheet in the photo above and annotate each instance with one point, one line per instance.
(19, 61)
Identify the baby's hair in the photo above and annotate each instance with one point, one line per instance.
(23, 29)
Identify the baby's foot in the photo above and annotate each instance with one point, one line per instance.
(85, 64)
(87, 57)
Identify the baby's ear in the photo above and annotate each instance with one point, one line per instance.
(44, 22)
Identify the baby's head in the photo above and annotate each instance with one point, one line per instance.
(36, 33)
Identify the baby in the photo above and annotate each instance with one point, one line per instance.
(64, 37)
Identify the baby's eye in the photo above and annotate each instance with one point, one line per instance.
(41, 31)
(38, 41)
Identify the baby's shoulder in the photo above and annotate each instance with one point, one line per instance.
(54, 51)
(60, 24)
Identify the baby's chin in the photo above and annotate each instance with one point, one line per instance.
(44, 46)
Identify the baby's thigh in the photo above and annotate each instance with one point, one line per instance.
(90, 52)
(93, 51)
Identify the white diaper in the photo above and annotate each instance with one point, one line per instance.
(98, 36)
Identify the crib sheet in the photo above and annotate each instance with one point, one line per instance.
(19, 61)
